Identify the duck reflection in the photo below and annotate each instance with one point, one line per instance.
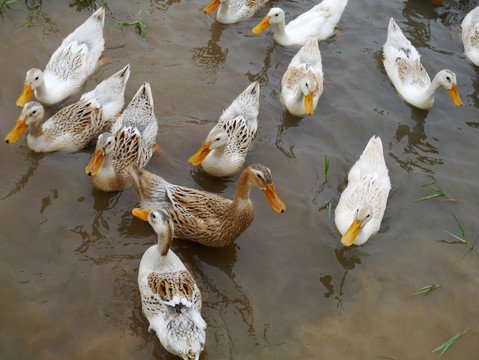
(418, 152)
(211, 57)
(449, 12)
(33, 163)
(210, 183)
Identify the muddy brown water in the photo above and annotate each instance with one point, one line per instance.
(286, 289)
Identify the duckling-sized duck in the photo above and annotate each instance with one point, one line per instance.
(233, 11)
(317, 23)
(302, 83)
(362, 204)
(201, 216)
(70, 65)
(170, 298)
(403, 66)
(224, 151)
(74, 126)
(470, 35)
(131, 141)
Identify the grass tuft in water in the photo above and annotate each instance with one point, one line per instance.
(6, 3)
(326, 168)
(439, 191)
(137, 22)
(426, 289)
(463, 239)
(449, 342)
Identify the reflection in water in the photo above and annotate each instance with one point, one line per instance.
(287, 121)
(208, 182)
(348, 259)
(33, 159)
(164, 5)
(417, 147)
(209, 58)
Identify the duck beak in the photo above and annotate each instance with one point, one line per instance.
(274, 199)
(455, 95)
(308, 104)
(95, 163)
(350, 235)
(200, 155)
(211, 6)
(261, 26)
(141, 213)
(25, 96)
(17, 131)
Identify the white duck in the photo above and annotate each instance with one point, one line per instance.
(403, 66)
(131, 140)
(316, 23)
(73, 127)
(302, 83)
(70, 65)
(470, 35)
(362, 204)
(233, 11)
(170, 298)
(224, 151)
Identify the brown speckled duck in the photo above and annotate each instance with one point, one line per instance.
(201, 216)
(131, 141)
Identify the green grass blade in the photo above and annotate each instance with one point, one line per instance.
(440, 192)
(329, 209)
(429, 197)
(455, 237)
(425, 289)
(460, 227)
(326, 166)
(446, 345)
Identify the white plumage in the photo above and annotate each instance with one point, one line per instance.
(233, 11)
(362, 204)
(470, 35)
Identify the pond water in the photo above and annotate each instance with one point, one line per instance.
(286, 289)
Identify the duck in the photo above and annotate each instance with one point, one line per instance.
(73, 127)
(170, 298)
(302, 83)
(201, 216)
(317, 23)
(131, 140)
(224, 151)
(470, 35)
(69, 66)
(361, 206)
(403, 66)
(233, 11)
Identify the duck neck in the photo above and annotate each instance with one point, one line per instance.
(432, 89)
(164, 243)
(35, 129)
(280, 29)
(243, 189)
(223, 9)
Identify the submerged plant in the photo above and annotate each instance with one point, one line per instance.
(449, 342)
(6, 3)
(137, 22)
(426, 289)
(439, 191)
(463, 239)
(326, 168)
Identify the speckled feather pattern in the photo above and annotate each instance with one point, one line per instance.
(470, 35)
(197, 215)
(239, 10)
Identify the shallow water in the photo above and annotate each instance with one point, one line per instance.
(286, 289)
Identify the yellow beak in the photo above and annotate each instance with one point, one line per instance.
(141, 213)
(200, 155)
(308, 104)
(274, 199)
(455, 95)
(16, 132)
(95, 163)
(261, 26)
(211, 6)
(25, 96)
(350, 235)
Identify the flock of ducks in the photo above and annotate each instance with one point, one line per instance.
(171, 300)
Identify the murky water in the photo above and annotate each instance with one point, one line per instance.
(286, 289)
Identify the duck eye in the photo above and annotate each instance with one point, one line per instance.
(36, 78)
(368, 215)
(34, 112)
(217, 139)
(153, 216)
(448, 78)
(259, 176)
(276, 14)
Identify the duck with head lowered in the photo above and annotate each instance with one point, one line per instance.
(69, 66)
(233, 11)
(73, 127)
(201, 216)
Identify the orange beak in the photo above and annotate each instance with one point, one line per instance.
(211, 6)
(95, 163)
(25, 96)
(350, 235)
(274, 199)
(200, 155)
(141, 213)
(261, 26)
(455, 95)
(17, 131)
(308, 104)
